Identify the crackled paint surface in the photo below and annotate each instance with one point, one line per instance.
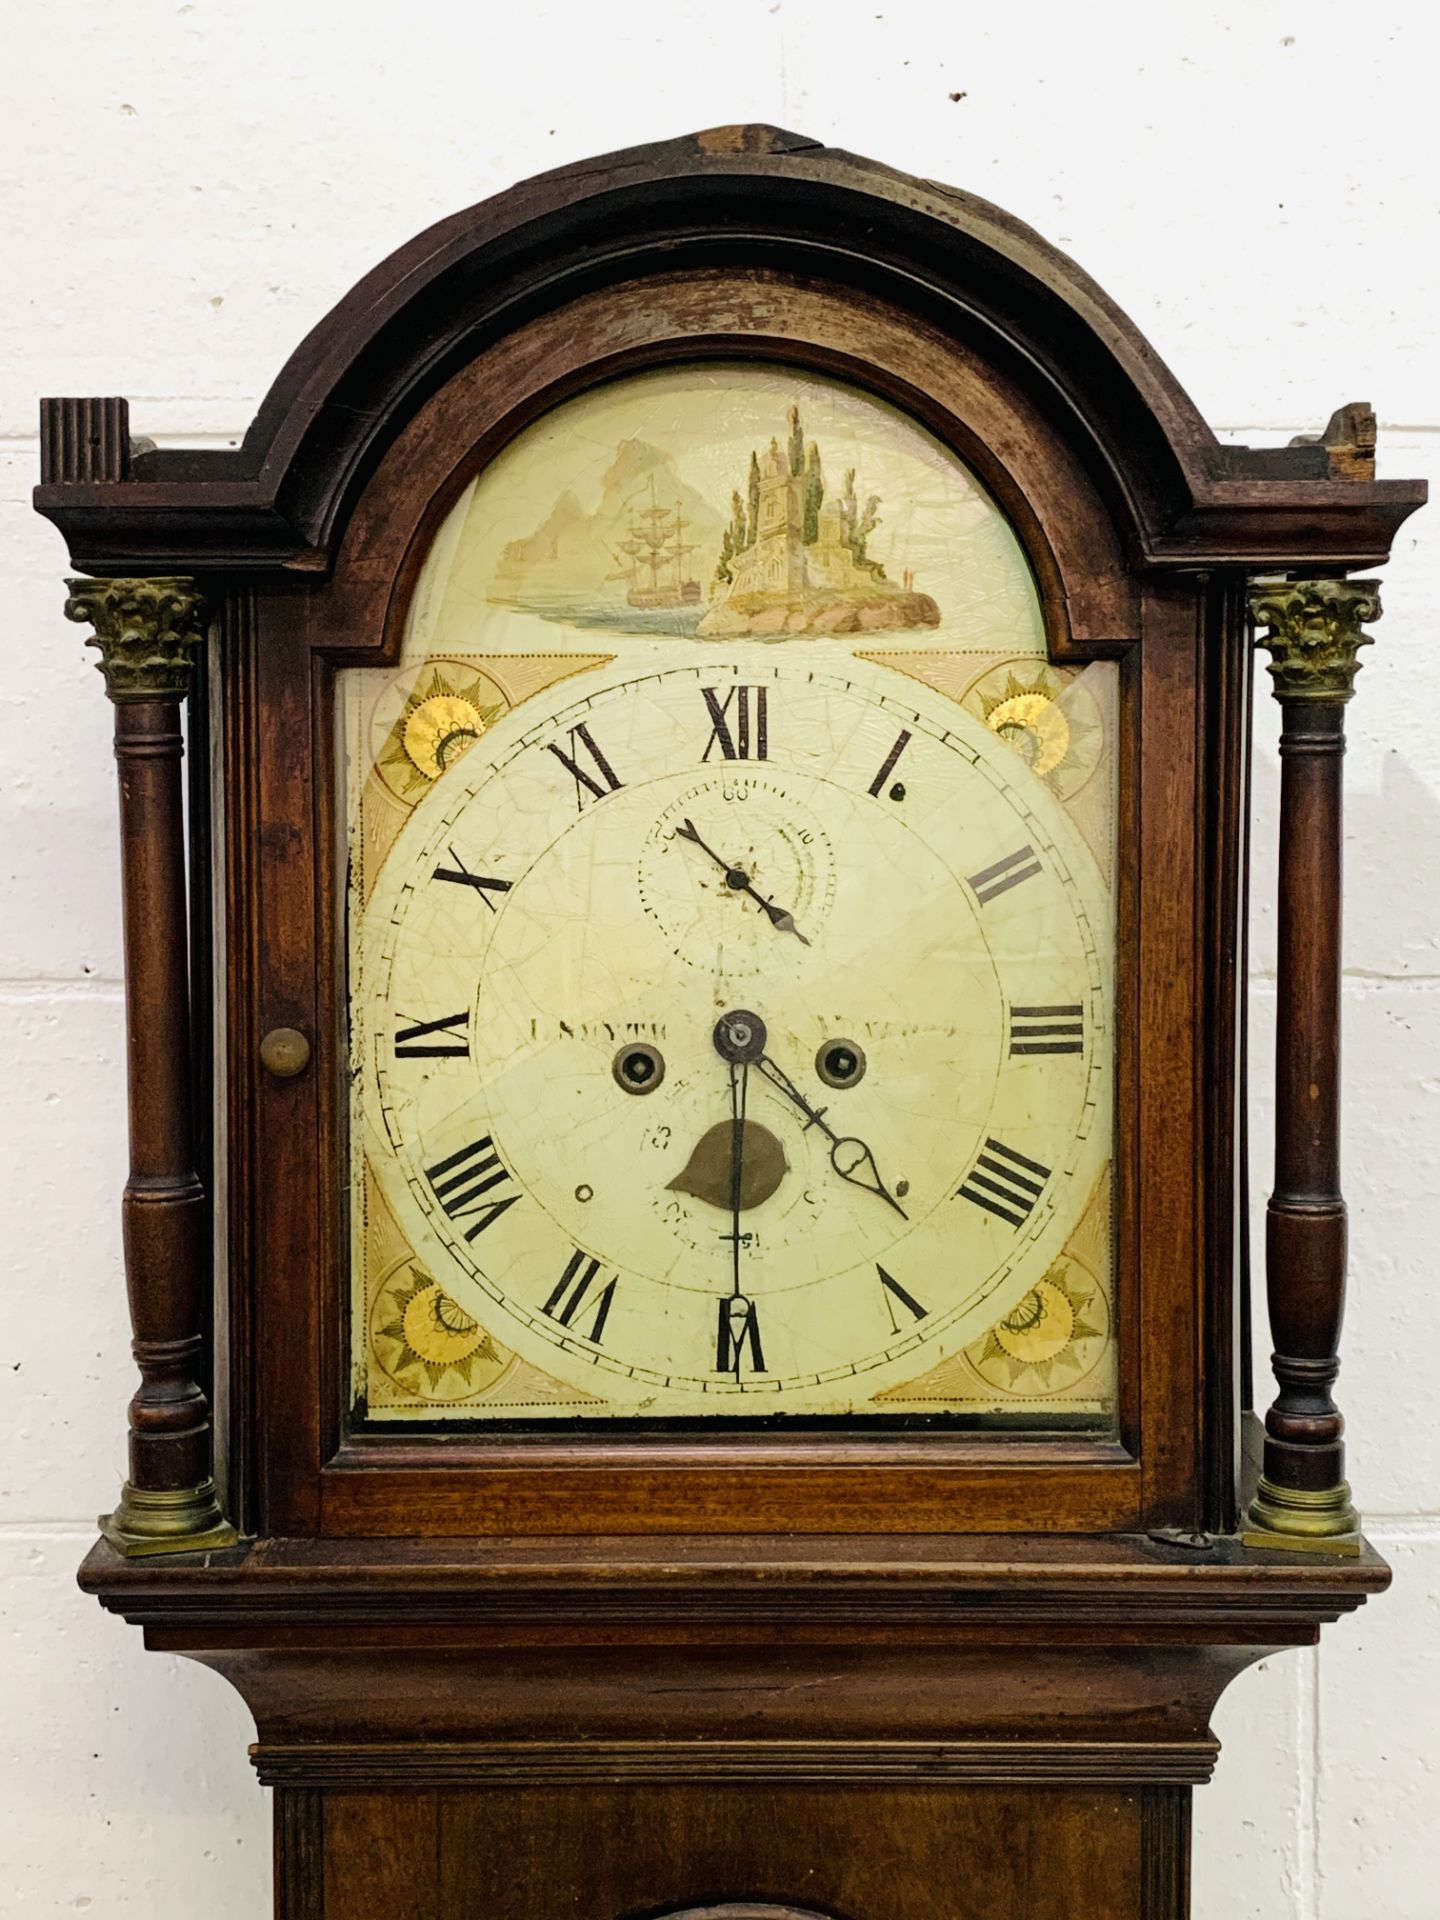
(822, 772)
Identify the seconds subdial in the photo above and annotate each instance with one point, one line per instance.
(736, 858)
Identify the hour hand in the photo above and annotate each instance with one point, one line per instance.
(854, 1161)
(851, 1158)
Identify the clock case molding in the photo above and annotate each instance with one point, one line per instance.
(888, 1615)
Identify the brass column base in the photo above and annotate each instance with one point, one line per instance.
(1287, 1520)
(187, 1520)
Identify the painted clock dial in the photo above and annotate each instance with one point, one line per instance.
(730, 936)
(737, 1033)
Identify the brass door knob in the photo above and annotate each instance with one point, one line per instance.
(284, 1052)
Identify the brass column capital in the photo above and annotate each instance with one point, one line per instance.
(147, 631)
(1315, 633)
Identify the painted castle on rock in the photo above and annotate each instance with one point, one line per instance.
(794, 561)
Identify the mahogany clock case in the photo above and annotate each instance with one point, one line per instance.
(1141, 531)
(312, 571)
(515, 348)
(917, 1636)
(368, 1482)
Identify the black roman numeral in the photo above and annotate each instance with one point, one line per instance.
(442, 1039)
(888, 764)
(570, 1293)
(893, 1292)
(739, 1329)
(991, 882)
(462, 1180)
(482, 883)
(585, 781)
(1047, 1030)
(1005, 1182)
(750, 739)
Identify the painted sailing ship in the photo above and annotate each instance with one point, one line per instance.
(652, 558)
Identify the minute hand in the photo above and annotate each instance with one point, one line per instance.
(739, 881)
(851, 1158)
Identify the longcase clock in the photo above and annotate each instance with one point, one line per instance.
(687, 1218)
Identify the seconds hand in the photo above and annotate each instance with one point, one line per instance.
(739, 881)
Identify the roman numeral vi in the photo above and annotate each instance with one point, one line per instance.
(738, 1333)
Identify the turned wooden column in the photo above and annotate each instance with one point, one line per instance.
(1313, 634)
(148, 632)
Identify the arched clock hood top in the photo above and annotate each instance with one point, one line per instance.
(735, 197)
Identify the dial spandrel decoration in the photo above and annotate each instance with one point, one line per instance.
(731, 943)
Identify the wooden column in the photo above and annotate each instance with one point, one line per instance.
(148, 632)
(1313, 636)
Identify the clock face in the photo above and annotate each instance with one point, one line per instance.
(730, 938)
(737, 1033)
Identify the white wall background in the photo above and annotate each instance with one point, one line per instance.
(185, 187)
